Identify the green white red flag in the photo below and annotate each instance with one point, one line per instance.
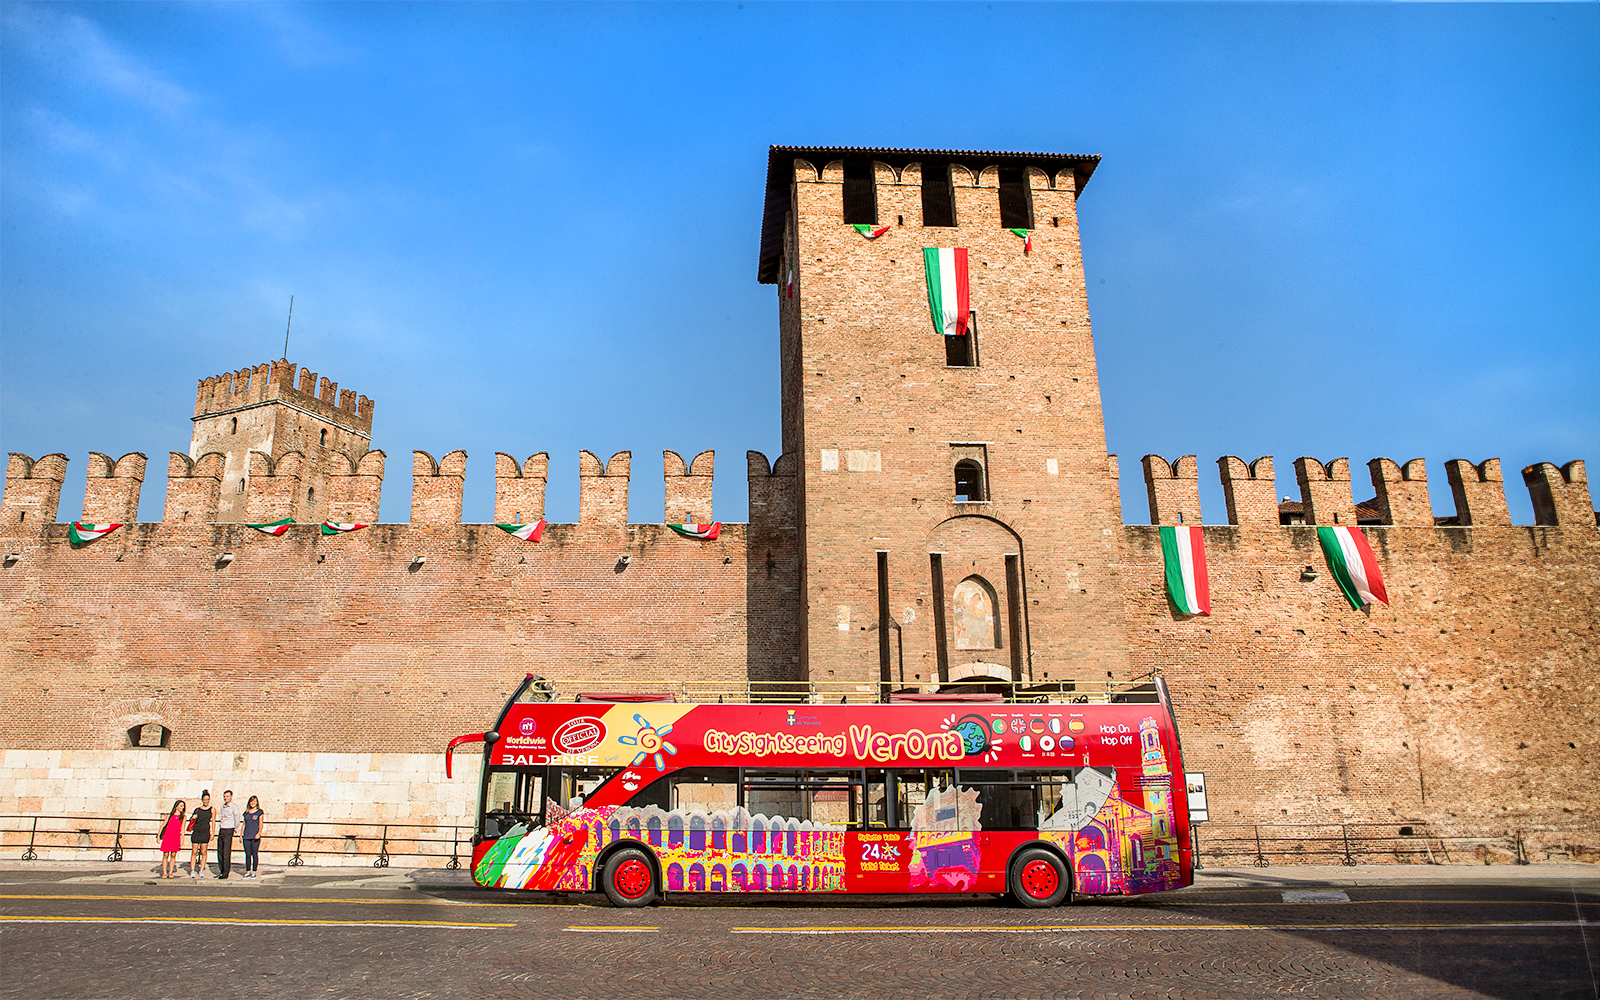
(82, 533)
(1027, 239)
(275, 528)
(788, 289)
(704, 532)
(1353, 565)
(870, 232)
(339, 527)
(526, 532)
(948, 298)
(1188, 583)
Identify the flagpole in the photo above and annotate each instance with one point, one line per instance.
(286, 327)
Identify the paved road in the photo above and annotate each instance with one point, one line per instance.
(1453, 933)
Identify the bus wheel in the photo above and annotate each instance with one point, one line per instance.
(1039, 879)
(629, 879)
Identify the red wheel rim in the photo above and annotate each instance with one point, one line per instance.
(632, 878)
(1040, 879)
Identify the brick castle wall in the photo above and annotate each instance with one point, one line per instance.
(1469, 700)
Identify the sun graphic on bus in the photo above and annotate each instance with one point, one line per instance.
(650, 743)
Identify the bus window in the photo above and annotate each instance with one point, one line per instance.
(774, 793)
(511, 797)
(572, 786)
(876, 815)
(911, 791)
(1015, 800)
(706, 788)
(834, 798)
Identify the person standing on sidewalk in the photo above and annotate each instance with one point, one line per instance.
(227, 823)
(251, 835)
(172, 839)
(200, 834)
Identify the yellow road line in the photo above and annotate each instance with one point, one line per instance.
(234, 922)
(612, 930)
(1069, 928)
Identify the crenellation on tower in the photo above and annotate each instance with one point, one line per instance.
(275, 486)
(1560, 496)
(33, 492)
(1402, 491)
(1174, 490)
(688, 494)
(603, 489)
(111, 491)
(1250, 490)
(1325, 491)
(519, 490)
(354, 490)
(1479, 491)
(193, 488)
(437, 488)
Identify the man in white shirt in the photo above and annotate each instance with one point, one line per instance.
(227, 823)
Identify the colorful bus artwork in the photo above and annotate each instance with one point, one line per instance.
(1039, 800)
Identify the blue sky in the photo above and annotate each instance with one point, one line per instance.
(1328, 230)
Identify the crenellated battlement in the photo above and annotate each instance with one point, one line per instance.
(688, 495)
(270, 488)
(276, 381)
(1560, 495)
(1174, 490)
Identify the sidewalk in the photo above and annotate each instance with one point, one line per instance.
(1278, 877)
(305, 876)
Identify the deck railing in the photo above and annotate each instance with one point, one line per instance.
(291, 842)
(1262, 844)
(1081, 691)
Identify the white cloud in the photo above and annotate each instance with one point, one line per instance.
(171, 157)
(299, 41)
(77, 43)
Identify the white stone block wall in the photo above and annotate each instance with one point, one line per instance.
(67, 791)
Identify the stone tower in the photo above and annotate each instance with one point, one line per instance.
(959, 514)
(257, 418)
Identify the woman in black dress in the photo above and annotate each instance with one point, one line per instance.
(200, 834)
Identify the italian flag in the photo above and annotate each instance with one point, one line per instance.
(275, 528)
(870, 232)
(1353, 565)
(1184, 550)
(526, 532)
(1027, 239)
(82, 533)
(948, 299)
(704, 532)
(788, 288)
(339, 527)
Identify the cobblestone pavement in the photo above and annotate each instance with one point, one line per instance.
(1438, 932)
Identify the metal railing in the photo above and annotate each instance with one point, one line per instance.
(116, 836)
(1073, 691)
(1264, 844)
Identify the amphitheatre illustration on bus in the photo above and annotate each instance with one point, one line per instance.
(1041, 801)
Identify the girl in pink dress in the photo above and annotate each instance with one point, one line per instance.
(172, 839)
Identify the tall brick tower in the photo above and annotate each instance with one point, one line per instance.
(959, 513)
(257, 417)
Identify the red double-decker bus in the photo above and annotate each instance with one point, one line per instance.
(1040, 800)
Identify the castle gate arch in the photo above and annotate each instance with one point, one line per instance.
(980, 600)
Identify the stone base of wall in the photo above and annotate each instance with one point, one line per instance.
(334, 804)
